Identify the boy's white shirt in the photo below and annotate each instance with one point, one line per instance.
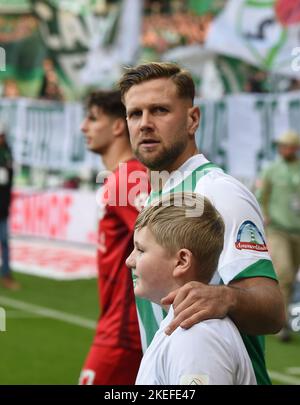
(210, 353)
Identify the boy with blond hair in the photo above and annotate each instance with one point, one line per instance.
(178, 239)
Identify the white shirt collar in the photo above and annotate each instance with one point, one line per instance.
(184, 171)
(165, 322)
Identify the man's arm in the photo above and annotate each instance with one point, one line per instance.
(254, 304)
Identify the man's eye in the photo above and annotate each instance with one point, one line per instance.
(140, 250)
(134, 114)
(160, 109)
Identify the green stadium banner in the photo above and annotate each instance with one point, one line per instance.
(81, 41)
(24, 51)
(88, 40)
(237, 132)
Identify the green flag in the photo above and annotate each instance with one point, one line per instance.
(206, 6)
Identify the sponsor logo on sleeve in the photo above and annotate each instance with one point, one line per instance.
(249, 237)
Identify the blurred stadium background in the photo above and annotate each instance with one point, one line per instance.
(244, 57)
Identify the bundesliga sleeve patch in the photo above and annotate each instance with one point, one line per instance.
(249, 237)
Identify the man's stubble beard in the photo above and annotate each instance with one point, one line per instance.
(165, 158)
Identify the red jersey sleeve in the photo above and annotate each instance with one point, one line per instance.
(131, 190)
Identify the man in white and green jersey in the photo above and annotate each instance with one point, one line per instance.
(162, 122)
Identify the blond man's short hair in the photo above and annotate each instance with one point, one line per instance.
(158, 70)
(187, 220)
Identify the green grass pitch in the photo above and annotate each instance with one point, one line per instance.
(37, 349)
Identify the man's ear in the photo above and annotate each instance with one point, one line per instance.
(193, 119)
(184, 259)
(119, 127)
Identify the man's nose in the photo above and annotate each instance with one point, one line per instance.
(146, 122)
(83, 125)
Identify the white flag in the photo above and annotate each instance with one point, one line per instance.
(104, 63)
(263, 33)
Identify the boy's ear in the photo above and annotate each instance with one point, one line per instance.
(184, 258)
(119, 126)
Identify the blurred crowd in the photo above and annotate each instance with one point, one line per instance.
(162, 31)
(50, 88)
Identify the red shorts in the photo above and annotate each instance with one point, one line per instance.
(110, 366)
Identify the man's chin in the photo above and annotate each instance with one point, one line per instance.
(152, 162)
(92, 149)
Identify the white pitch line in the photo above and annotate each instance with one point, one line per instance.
(293, 370)
(48, 313)
(284, 378)
(17, 314)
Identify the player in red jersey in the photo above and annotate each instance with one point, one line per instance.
(115, 354)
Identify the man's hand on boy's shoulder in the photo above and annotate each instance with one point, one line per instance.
(195, 302)
(254, 304)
